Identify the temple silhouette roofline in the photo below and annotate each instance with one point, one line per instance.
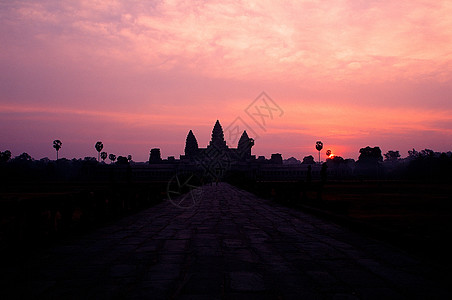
(218, 144)
(219, 160)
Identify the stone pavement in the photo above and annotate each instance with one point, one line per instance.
(231, 245)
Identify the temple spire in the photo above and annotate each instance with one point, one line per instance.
(218, 136)
(191, 145)
(244, 146)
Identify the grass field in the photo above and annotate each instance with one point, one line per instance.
(36, 213)
(414, 215)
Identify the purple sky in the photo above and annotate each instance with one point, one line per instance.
(140, 74)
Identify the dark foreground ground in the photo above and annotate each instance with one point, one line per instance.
(230, 245)
(414, 215)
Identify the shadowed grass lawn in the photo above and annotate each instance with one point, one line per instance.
(413, 208)
(36, 213)
(414, 215)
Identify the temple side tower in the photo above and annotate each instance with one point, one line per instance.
(244, 146)
(191, 145)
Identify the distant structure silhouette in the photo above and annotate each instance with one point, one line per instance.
(154, 156)
(276, 158)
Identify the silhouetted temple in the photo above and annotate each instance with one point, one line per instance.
(217, 147)
(218, 160)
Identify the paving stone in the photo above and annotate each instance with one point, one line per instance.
(208, 251)
(103, 291)
(358, 278)
(123, 270)
(344, 296)
(242, 254)
(163, 271)
(254, 296)
(40, 286)
(131, 241)
(378, 293)
(175, 246)
(124, 248)
(322, 278)
(171, 258)
(231, 245)
(246, 281)
(205, 284)
(147, 248)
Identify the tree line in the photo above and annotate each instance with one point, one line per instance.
(6, 155)
(371, 162)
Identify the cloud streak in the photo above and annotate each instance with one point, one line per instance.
(337, 39)
(346, 70)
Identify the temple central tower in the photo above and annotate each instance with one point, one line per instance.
(218, 137)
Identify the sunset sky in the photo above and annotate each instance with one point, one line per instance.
(140, 74)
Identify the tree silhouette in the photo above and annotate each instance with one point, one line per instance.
(328, 153)
(5, 156)
(319, 147)
(308, 160)
(103, 155)
(129, 158)
(413, 154)
(99, 146)
(112, 157)
(392, 155)
(57, 145)
(370, 155)
(24, 157)
(122, 160)
(427, 153)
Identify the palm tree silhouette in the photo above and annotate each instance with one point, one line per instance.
(112, 157)
(99, 146)
(57, 145)
(319, 147)
(103, 155)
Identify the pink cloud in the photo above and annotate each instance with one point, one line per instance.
(344, 71)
